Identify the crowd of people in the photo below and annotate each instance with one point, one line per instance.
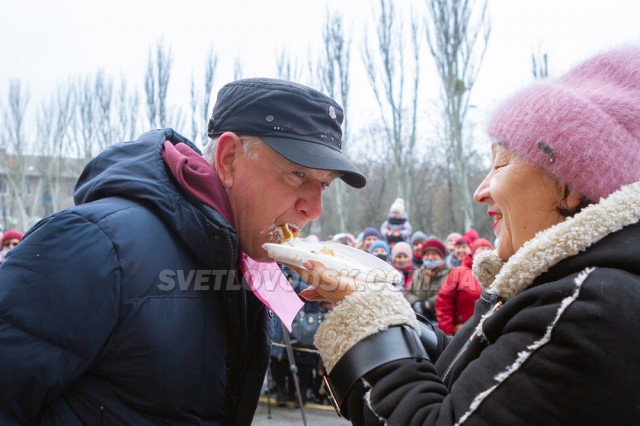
(437, 282)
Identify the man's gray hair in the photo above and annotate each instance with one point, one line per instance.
(248, 145)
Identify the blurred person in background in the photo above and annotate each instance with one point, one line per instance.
(380, 249)
(458, 295)
(369, 235)
(401, 255)
(417, 239)
(461, 248)
(396, 227)
(451, 260)
(10, 240)
(428, 279)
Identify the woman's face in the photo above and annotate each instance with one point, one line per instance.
(368, 241)
(461, 251)
(401, 261)
(521, 200)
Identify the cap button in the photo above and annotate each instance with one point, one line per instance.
(269, 118)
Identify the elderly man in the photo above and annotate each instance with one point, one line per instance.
(132, 307)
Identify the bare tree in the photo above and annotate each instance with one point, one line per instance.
(237, 69)
(199, 103)
(287, 66)
(86, 114)
(457, 33)
(127, 106)
(156, 85)
(193, 107)
(388, 76)
(16, 151)
(334, 77)
(103, 95)
(209, 78)
(540, 65)
(54, 118)
(96, 124)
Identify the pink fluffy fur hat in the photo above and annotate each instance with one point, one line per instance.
(582, 128)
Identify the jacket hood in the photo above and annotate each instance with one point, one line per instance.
(551, 253)
(136, 171)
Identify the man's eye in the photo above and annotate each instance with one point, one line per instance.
(299, 174)
(325, 185)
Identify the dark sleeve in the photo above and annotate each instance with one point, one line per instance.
(530, 373)
(59, 293)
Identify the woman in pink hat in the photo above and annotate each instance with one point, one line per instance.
(554, 338)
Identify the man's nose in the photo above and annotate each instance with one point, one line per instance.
(310, 203)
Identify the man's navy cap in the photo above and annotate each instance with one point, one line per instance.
(296, 121)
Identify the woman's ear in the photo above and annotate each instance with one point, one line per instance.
(574, 199)
(570, 199)
(228, 150)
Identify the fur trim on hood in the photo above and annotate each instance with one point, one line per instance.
(549, 247)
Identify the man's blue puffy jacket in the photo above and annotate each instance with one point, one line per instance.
(126, 310)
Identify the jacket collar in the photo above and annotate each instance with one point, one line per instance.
(559, 242)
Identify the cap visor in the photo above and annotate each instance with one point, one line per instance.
(317, 156)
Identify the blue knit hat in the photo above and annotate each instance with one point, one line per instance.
(379, 243)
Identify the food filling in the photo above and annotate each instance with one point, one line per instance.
(286, 233)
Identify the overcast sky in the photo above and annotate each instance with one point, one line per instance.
(46, 42)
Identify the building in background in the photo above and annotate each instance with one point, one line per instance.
(33, 187)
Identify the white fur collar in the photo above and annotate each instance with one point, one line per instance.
(566, 239)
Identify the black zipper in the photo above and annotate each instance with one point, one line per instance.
(228, 417)
(457, 357)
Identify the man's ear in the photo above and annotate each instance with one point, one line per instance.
(228, 151)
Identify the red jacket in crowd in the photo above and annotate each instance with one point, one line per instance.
(457, 297)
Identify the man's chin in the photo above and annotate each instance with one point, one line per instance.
(259, 255)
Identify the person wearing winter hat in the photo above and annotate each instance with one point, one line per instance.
(393, 238)
(451, 260)
(10, 240)
(423, 289)
(95, 328)
(461, 248)
(471, 235)
(368, 237)
(417, 239)
(480, 245)
(556, 327)
(397, 226)
(401, 260)
(458, 295)
(380, 249)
